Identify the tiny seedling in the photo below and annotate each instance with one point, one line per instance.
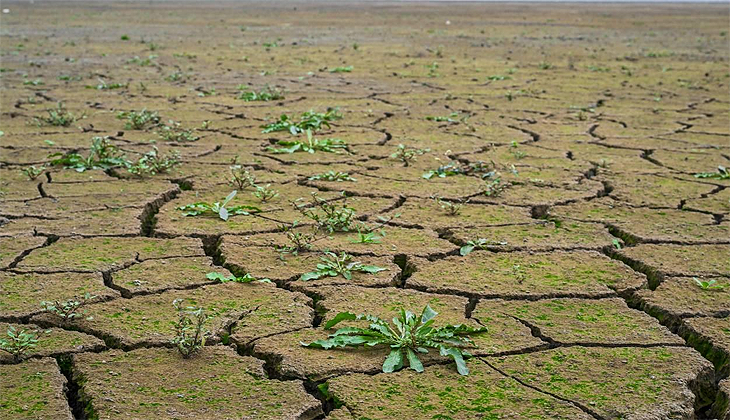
(309, 120)
(328, 216)
(218, 208)
(58, 117)
(722, 173)
(409, 336)
(709, 284)
(139, 120)
(616, 242)
(241, 178)
(190, 332)
(345, 69)
(494, 187)
(335, 176)
(478, 244)
(173, 132)
(67, 310)
(342, 265)
(368, 237)
(311, 146)
(449, 169)
(450, 208)
(453, 117)
(153, 163)
(32, 172)
(102, 155)
(266, 94)
(516, 152)
(265, 193)
(300, 241)
(18, 343)
(246, 278)
(408, 154)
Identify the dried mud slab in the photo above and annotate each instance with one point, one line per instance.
(721, 408)
(711, 336)
(522, 275)
(267, 262)
(397, 241)
(421, 213)
(11, 249)
(21, 294)
(677, 260)
(33, 389)
(154, 276)
(641, 224)
(440, 392)
(583, 321)
(714, 203)
(656, 191)
(114, 222)
(681, 297)
(102, 254)
(53, 341)
(214, 384)
(541, 236)
(639, 383)
(257, 309)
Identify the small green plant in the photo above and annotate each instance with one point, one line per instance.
(300, 241)
(218, 208)
(449, 169)
(173, 132)
(18, 343)
(722, 173)
(433, 69)
(453, 117)
(68, 310)
(368, 237)
(309, 120)
(346, 69)
(335, 176)
(516, 152)
(139, 120)
(265, 193)
(311, 146)
(143, 62)
(125, 38)
(267, 93)
(494, 187)
(32, 172)
(709, 284)
(153, 163)
(409, 336)
(241, 178)
(408, 154)
(450, 208)
(102, 155)
(478, 244)
(543, 65)
(343, 265)
(190, 332)
(103, 85)
(58, 117)
(175, 76)
(246, 278)
(329, 216)
(616, 243)
(498, 77)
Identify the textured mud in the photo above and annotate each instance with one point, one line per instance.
(561, 144)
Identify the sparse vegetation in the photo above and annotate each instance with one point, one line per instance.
(343, 265)
(335, 176)
(409, 336)
(219, 208)
(32, 172)
(329, 215)
(58, 117)
(102, 155)
(153, 163)
(709, 284)
(18, 343)
(267, 93)
(311, 146)
(309, 120)
(68, 310)
(173, 132)
(190, 332)
(139, 120)
(408, 154)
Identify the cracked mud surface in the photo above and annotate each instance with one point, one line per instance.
(574, 136)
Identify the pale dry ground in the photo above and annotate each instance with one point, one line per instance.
(579, 131)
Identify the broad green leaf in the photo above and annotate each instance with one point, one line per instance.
(394, 361)
(371, 269)
(458, 359)
(466, 249)
(342, 316)
(229, 198)
(427, 314)
(223, 213)
(314, 275)
(414, 361)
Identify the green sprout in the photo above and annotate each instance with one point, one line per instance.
(218, 208)
(342, 265)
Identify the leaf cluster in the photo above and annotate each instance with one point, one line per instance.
(343, 265)
(219, 208)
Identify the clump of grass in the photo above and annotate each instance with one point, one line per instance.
(266, 94)
(139, 120)
(32, 172)
(173, 132)
(58, 117)
(18, 343)
(309, 120)
(343, 265)
(407, 154)
(190, 332)
(153, 163)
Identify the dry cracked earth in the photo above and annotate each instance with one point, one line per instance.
(565, 143)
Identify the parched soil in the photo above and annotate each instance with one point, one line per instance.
(552, 172)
